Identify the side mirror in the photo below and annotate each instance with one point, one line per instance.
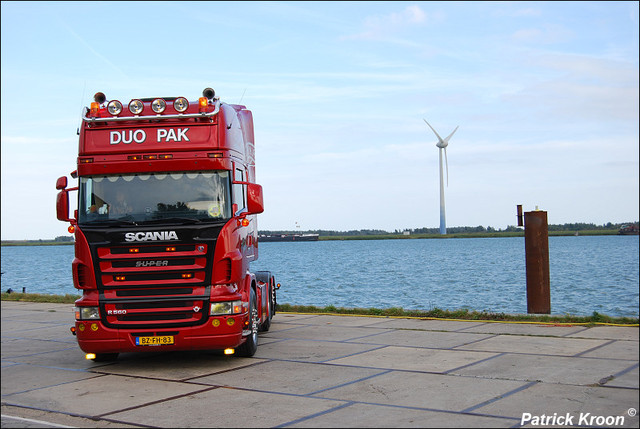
(61, 183)
(62, 205)
(255, 204)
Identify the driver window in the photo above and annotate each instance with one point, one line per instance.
(239, 190)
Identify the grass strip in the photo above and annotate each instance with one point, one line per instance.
(435, 313)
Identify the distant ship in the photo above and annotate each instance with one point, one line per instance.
(288, 237)
(628, 230)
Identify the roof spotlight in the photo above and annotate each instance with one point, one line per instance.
(136, 106)
(99, 97)
(114, 107)
(209, 93)
(180, 104)
(158, 105)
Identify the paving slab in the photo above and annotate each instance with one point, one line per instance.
(414, 338)
(548, 369)
(535, 345)
(302, 378)
(183, 365)
(386, 416)
(562, 400)
(310, 350)
(323, 371)
(556, 330)
(101, 395)
(414, 359)
(226, 407)
(609, 332)
(425, 391)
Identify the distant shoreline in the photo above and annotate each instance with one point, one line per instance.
(389, 236)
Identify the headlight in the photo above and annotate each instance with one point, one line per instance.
(114, 107)
(226, 307)
(158, 105)
(87, 313)
(136, 107)
(181, 104)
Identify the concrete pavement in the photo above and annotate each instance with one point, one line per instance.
(327, 371)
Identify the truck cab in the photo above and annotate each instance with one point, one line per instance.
(166, 228)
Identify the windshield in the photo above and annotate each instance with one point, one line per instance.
(154, 197)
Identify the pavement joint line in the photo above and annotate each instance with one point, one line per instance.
(624, 371)
(75, 415)
(479, 340)
(313, 416)
(159, 401)
(594, 348)
(34, 421)
(350, 382)
(435, 410)
(499, 397)
(63, 340)
(539, 354)
(75, 347)
(49, 386)
(583, 329)
(368, 336)
(382, 346)
(449, 371)
(250, 365)
(54, 367)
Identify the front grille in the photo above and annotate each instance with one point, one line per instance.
(159, 308)
(152, 265)
(153, 286)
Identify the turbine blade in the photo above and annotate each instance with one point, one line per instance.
(434, 131)
(447, 139)
(446, 163)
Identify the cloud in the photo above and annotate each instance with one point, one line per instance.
(546, 35)
(382, 27)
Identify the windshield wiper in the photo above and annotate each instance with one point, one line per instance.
(109, 222)
(181, 220)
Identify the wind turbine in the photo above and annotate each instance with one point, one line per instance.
(442, 144)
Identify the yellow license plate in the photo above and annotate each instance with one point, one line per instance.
(154, 341)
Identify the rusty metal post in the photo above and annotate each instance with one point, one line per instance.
(536, 244)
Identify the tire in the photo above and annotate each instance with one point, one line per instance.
(267, 323)
(249, 347)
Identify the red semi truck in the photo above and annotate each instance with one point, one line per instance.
(165, 228)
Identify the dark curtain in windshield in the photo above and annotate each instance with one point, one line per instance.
(200, 195)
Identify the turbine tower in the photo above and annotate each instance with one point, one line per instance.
(442, 144)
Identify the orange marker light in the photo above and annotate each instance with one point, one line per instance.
(95, 108)
(203, 103)
(71, 229)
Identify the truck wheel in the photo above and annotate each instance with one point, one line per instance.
(105, 357)
(250, 346)
(267, 323)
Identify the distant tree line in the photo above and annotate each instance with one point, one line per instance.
(455, 229)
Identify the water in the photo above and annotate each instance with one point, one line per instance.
(588, 274)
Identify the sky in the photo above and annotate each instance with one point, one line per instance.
(545, 95)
